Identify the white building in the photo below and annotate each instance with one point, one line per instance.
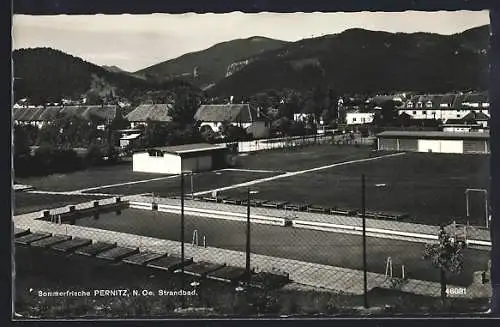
(437, 142)
(182, 158)
(359, 118)
(446, 106)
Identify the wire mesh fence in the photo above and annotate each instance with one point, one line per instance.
(408, 236)
(298, 142)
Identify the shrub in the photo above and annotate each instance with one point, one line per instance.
(65, 160)
(94, 155)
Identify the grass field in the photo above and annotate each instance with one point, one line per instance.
(28, 202)
(276, 160)
(45, 270)
(201, 182)
(429, 187)
(92, 177)
(300, 244)
(303, 158)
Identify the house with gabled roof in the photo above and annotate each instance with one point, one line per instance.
(39, 116)
(214, 116)
(143, 113)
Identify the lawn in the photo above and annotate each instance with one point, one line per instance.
(45, 270)
(303, 158)
(92, 177)
(25, 202)
(277, 160)
(328, 248)
(201, 182)
(429, 187)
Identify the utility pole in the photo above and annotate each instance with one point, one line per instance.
(247, 266)
(182, 229)
(363, 214)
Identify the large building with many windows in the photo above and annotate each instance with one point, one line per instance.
(446, 106)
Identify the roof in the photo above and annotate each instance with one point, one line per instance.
(453, 101)
(477, 116)
(190, 148)
(155, 112)
(50, 113)
(226, 112)
(434, 135)
(461, 125)
(130, 136)
(381, 99)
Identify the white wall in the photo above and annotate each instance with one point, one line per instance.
(216, 126)
(356, 118)
(429, 146)
(456, 129)
(452, 146)
(441, 146)
(440, 114)
(168, 164)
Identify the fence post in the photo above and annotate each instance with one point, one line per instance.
(363, 211)
(182, 235)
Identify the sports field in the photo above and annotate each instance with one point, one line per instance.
(429, 187)
(28, 202)
(328, 248)
(89, 178)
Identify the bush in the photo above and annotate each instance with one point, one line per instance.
(208, 135)
(297, 129)
(94, 155)
(66, 160)
(235, 134)
(47, 160)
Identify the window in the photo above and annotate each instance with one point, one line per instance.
(414, 112)
(458, 115)
(424, 112)
(354, 119)
(155, 153)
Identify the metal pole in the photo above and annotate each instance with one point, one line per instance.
(486, 208)
(192, 186)
(247, 266)
(182, 228)
(467, 203)
(363, 212)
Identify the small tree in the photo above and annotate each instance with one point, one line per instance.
(447, 256)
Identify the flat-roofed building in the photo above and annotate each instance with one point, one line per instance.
(182, 158)
(437, 141)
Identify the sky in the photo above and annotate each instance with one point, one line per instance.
(133, 42)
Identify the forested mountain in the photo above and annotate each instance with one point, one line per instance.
(369, 62)
(206, 67)
(354, 61)
(113, 69)
(48, 75)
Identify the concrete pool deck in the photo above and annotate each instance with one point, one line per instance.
(316, 275)
(328, 222)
